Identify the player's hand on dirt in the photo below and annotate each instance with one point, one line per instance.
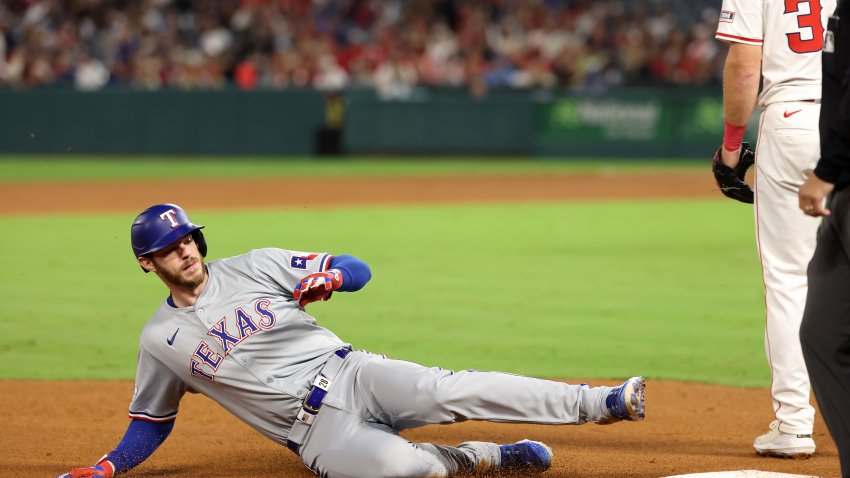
(318, 286)
(103, 469)
(812, 194)
(730, 179)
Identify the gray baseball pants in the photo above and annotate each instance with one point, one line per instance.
(373, 398)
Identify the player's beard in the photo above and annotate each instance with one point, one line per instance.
(182, 278)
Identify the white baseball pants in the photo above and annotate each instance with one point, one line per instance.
(788, 146)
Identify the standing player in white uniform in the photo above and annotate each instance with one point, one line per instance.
(235, 330)
(782, 40)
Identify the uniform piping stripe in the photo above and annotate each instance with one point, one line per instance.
(735, 37)
(761, 263)
(326, 262)
(152, 418)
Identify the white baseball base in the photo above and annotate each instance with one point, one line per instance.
(741, 474)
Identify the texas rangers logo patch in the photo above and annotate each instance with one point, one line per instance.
(727, 16)
(300, 262)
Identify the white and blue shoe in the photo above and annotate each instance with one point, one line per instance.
(525, 455)
(626, 401)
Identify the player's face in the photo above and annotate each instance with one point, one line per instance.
(180, 264)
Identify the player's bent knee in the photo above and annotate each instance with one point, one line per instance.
(419, 464)
(387, 465)
(413, 467)
(419, 470)
(399, 469)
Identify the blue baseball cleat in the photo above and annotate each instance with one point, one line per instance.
(626, 401)
(526, 455)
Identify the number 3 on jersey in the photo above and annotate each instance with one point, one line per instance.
(808, 22)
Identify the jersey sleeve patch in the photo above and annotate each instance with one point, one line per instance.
(739, 39)
(300, 262)
(727, 16)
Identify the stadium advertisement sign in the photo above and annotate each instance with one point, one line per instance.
(661, 125)
(604, 119)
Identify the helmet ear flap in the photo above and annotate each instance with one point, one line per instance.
(198, 237)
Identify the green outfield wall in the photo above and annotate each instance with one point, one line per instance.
(631, 122)
(173, 121)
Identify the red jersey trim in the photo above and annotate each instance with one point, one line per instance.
(149, 418)
(737, 38)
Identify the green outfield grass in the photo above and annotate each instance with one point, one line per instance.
(669, 289)
(20, 168)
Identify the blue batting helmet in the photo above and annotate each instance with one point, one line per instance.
(161, 225)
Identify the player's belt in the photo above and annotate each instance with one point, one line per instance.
(313, 401)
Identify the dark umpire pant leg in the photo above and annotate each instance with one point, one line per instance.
(825, 330)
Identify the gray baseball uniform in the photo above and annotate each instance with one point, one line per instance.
(250, 347)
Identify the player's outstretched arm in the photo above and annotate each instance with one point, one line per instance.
(355, 272)
(103, 469)
(345, 274)
(140, 441)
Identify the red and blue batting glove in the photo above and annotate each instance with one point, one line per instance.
(103, 469)
(318, 286)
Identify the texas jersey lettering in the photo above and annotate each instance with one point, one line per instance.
(243, 348)
(206, 361)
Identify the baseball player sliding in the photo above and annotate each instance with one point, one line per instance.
(236, 330)
(779, 41)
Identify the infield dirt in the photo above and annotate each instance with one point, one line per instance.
(54, 426)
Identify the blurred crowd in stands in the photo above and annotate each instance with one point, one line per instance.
(391, 45)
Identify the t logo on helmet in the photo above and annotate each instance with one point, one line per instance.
(170, 216)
